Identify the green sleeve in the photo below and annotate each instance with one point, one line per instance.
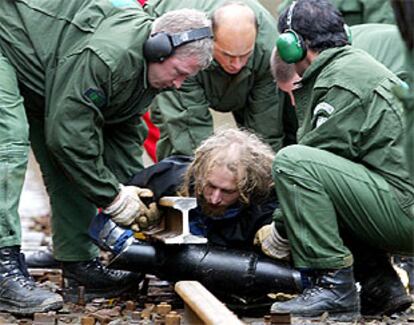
(379, 11)
(124, 147)
(358, 11)
(263, 114)
(351, 10)
(184, 119)
(365, 11)
(333, 123)
(369, 131)
(74, 124)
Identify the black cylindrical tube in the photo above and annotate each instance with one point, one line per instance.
(219, 269)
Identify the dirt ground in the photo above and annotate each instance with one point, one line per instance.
(143, 307)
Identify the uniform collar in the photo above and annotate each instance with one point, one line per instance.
(322, 60)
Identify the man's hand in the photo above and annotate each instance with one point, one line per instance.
(272, 244)
(127, 205)
(149, 217)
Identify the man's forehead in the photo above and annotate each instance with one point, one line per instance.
(221, 177)
(231, 51)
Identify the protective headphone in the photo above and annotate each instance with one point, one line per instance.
(160, 46)
(290, 45)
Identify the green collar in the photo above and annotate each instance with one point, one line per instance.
(322, 60)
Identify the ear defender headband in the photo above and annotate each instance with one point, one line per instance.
(290, 45)
(160, 46)
(348, 33)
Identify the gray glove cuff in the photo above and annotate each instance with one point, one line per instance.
(276, 245)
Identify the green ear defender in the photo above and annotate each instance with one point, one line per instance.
(290, 45)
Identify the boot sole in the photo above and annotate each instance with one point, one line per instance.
(13, 309)
(398, 304)
(71, 295)
(403, 304)
(340, 316)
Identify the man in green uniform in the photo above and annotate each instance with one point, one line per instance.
(385, 44)
(84, 87)
(381, 41)
(404, 11)
(237, 81)
(359, 11)
(344, 190)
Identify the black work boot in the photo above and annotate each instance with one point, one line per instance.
(19, 293)
(407, 264)
(42, 258)
(98, 281)
(382, 292)
(333, 292)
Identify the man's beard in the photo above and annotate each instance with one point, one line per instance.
(209, 210)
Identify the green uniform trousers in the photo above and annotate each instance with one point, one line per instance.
(14, 148)
(321, 194)
(71, 212)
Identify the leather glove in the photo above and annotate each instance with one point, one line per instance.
(272, 244)
(149, 217)
(127, 205)
(262, 234)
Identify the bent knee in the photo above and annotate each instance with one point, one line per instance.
(290, 155)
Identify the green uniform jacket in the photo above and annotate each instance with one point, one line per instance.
(384, 43)
(250, 95)
(409, 106)
(356, 118)
(359, 11)
(85, 58)
(407, 97)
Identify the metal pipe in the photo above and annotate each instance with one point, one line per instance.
(219, 269)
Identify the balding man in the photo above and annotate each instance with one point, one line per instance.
(238, 80)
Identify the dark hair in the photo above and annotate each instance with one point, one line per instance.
(318, 22)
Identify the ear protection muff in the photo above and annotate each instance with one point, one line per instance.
(290, 45)
(159, 46)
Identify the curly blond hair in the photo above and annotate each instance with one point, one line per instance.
(242, 153)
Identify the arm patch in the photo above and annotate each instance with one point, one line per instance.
(97, 97)
(322, 112)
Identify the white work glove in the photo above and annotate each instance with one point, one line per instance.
(271, 243)
(127, 205)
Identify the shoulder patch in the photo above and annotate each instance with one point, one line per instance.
(321, 113)
(97, 97)
(324, 109)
